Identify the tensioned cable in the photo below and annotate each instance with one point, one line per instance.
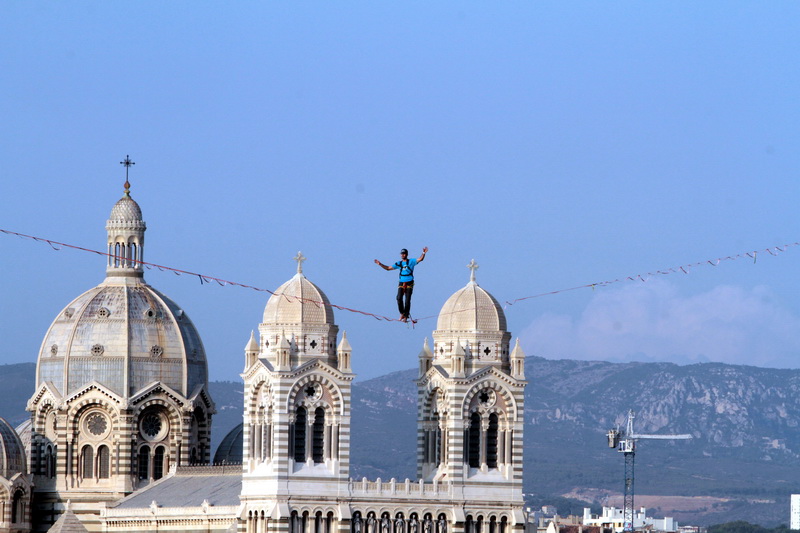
(204, 278)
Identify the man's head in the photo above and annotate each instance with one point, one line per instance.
(403, 253)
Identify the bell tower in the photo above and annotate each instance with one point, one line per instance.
(297, 402)
(470, 399)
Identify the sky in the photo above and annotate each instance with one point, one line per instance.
(559, 144)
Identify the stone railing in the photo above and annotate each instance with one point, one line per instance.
(154, 511)
(400, 488)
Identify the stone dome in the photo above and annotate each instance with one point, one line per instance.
(471, 309)
(126, 210)
(298, 301)
(12, 452)
(231, 450)
(125, 335)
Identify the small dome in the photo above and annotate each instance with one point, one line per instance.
(25, 430)
(122, 327)
(298, 301)
(231, 449)
(471, 309)
(12, 452)
(126, 210)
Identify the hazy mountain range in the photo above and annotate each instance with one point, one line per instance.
(743, 462)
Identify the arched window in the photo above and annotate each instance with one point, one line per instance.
(116, 255)
(318, 441)
(158, 463)
(491, 443)
(132, 255)
(48, 459)
(17, 512)
(474, 441)
(87, 462)
(103, 462)
(53, 462)
(300, 425)
(144, 462)
(319, 523)
(301, 522)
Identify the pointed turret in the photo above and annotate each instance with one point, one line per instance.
(344, 351)
(283, 355)
(518, 362)
(425, 358)
(251, 351)
(457, 363)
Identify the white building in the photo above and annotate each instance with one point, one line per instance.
(794, 518)
(121, 412)
(613, 518)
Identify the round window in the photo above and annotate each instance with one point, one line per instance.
(96, 425)
(313, 392)
(487, 398)
(153, 426)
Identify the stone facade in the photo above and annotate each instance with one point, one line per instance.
(121, 387)
(121, 412)
(297, 426)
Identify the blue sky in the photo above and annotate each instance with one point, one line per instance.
(556, 143)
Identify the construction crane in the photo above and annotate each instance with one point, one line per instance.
(625, 443)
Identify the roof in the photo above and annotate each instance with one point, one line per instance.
(471, 308)
(298, 301)
(122, 325)
(126, 210)
(231, 450)
(189, 487)
(12, 453)
(68, 523)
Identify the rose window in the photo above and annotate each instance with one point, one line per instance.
(313, 391)
(153, 427)
(97, 424)
(486, 398)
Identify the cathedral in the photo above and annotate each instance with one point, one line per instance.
(121, 418)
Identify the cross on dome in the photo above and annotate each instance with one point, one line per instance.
(299, 258)
(127, 163)
(472, 266)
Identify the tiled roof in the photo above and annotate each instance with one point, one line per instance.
(189, 487)
(68, 523)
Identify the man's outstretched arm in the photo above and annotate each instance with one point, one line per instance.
(385, 267)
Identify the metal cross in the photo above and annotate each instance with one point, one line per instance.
(473, 266)
(299, 258)
(127, 163)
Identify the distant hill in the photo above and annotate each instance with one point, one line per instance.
(742, 464)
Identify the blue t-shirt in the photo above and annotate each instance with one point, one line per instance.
(406, 269)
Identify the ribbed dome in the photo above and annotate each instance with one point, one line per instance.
(298, 301)
(471, 309)
(12, 453)
(126, 210)
(231, 449)
(122, 331)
